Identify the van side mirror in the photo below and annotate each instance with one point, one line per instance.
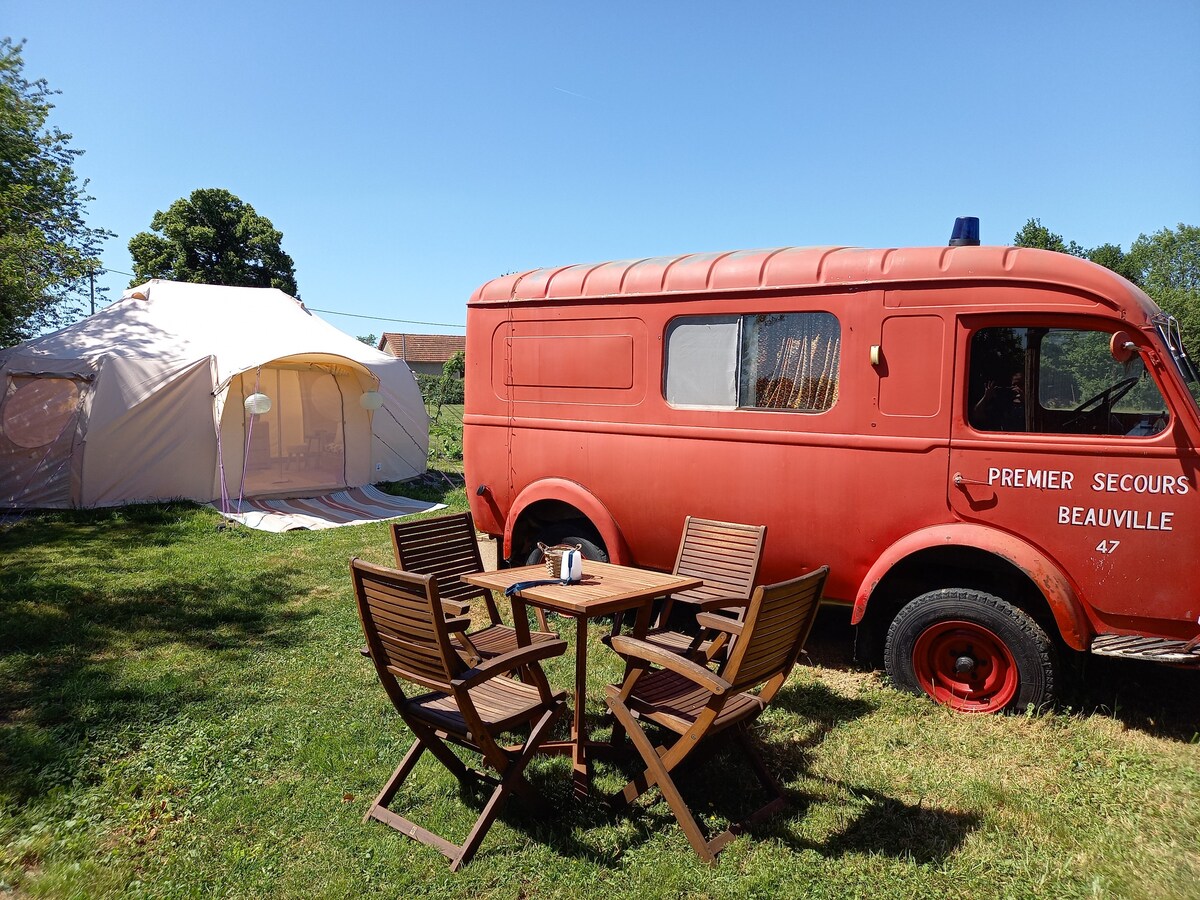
(1123, 349)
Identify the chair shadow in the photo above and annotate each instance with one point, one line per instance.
(720, 787)
(719, 784)
(891, 827)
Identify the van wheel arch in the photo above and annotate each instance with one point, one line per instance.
(936, 568)
(554, 508)
(973, 557)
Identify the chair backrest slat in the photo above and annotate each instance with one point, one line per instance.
(447, 548)
(777, 623)
(402, 618)
(725, 554)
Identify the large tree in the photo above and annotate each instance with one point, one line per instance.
(46, 248)
(212, 237)
(1168, 265)
(1035, 234)
(1111, 256)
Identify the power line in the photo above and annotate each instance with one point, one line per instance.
(331, 312)
(334, 312)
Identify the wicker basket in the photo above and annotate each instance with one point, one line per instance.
(553, 556)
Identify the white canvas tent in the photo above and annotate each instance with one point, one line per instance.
(145, 401)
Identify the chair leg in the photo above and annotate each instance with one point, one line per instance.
(393, 783)
(512, 782)
(656, 773)
(765, 776)
(776, 804)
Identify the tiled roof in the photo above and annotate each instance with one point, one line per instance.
(426, 348)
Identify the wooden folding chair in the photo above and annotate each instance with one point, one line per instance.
(726, 555)
(684, 697)
(446, 548)
(409, 637)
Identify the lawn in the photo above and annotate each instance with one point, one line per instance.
(184, 713)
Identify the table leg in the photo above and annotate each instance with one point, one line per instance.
(581, 775)
(641, 624)
(520, 621)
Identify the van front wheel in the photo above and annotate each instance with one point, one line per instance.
(970, 651)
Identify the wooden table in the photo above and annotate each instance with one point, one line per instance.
(606, 589)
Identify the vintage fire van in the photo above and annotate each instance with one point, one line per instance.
(994, 449)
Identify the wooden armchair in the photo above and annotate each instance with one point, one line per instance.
(685, 698)
(409, 638)
(446, 548)
(726, 555)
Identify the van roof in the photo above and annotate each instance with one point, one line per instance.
(807, 267)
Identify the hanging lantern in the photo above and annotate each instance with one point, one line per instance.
(257, 404)
(371, 400)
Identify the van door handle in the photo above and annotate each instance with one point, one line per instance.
(960, 480)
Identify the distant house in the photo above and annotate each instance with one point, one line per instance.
(425, 354)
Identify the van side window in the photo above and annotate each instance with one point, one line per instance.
(1059, 381)
(785, 361)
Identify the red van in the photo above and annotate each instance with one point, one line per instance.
(993, 448)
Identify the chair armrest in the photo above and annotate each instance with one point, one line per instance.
(632, 647)
(461, 623)
(455, 607)
(717, 603)
(719, 623)
(508, 662)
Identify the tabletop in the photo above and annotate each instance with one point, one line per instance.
(605, 588)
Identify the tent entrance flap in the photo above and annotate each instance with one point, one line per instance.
(306, 441)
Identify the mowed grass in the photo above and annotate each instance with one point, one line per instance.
(184, 713)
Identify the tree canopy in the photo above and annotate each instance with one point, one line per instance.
(1166, 265)
(212, 237)
(46, 247)
(1111, 256)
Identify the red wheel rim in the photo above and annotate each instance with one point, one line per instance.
(965, 666)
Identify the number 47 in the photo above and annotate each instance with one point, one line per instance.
(1108, 546)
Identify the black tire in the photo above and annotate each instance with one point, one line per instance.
(971, 651)
(586, 547)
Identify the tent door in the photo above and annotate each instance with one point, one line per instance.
(39, 425)
(299, 445)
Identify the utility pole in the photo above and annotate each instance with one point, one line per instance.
(92, 288)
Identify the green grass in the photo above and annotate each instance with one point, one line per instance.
(184, 713)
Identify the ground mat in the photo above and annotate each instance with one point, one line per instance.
(350, 507)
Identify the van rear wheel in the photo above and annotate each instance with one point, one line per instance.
(587, 549)
(970, 651)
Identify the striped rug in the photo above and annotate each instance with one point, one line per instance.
(351, 507)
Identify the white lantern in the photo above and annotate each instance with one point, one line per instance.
(371, 400)
(257, 404)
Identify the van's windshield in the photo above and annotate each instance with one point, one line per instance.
(1168, 329)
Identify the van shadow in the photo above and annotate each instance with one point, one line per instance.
(1159, 700)
(1149, 697)
(85, 664)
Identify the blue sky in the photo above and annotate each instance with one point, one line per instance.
(409, 152)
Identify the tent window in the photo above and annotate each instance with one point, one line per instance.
(36, 413)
